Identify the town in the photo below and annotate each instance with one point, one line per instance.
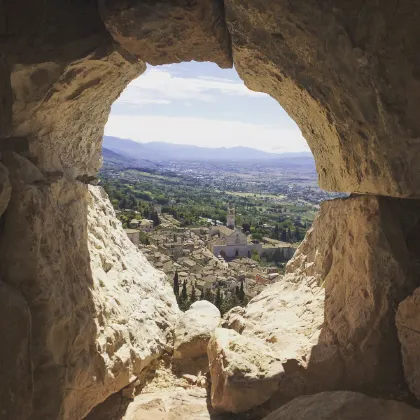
(220, 231)
(215, 262)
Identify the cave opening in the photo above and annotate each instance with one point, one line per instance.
(82, 312)
(198, 120)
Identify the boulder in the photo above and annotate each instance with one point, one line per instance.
(343, 405)
(168, 404)
(100, 313)
(194, 329)
(408, 325)
(170, 32)
(244, 371)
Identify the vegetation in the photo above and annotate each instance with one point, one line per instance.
(195, 205)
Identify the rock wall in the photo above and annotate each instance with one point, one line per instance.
(99, 312)
(361, 255)
(89, 313)
(348, 74)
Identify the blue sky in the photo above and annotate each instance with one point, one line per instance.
(203, 105)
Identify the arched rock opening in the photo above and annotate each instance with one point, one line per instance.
(347, 73)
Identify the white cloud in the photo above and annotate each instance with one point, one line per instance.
(160, 86)
(206, 132)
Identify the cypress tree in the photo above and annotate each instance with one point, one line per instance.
(176, 284)
(184, 295)
(208, 295)
(218, 301)
(241, 295)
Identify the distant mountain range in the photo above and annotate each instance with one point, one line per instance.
(125, 151)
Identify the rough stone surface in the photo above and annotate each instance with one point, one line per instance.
(244, 371)
(341, 74)
(360, 252)
(172, 404)
(194, 329)
(16, 383)
(408, 325)
(234, 319)
(5, 188)
(60, 74)
(176, 404)
(62, 108)
(165, 32)
(342, 405)
(100, 312)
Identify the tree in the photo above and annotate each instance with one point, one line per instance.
(255, 256)
(176, 285)
(202, 294)
(208, 295)
(257, 236)
(241, 294)
(283, 235)
(123, 203)
(276, 232)
(193, 296)
(289, 235)
(246, 227)
(155, 218)
(184, 295)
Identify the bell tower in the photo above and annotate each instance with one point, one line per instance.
(230, 218)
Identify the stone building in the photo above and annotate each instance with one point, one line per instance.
(233, 244)
(146, 225)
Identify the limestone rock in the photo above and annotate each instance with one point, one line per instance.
(194, 329)
(359, 253)
(61, 106)
(234, 319)
(343, 405)
(16, 384)
(244, 371)
(337, 71)
(21, 170)
(5, 188)
(168, 404)
(100, 312)
(171, 31)
(408, 325)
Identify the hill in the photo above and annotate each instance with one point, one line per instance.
(157, 151)
(115, 160)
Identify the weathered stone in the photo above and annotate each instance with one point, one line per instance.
(361, 252)
(5, 188)
(171, 405)
(244, 371)
(100, 312)
(408, 325)
(341, 74)
(234, 319)
(194, 329)
(165, 32)
(22, 172)
(343, 405)
(16, 384)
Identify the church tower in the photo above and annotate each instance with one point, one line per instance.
(230, 217)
